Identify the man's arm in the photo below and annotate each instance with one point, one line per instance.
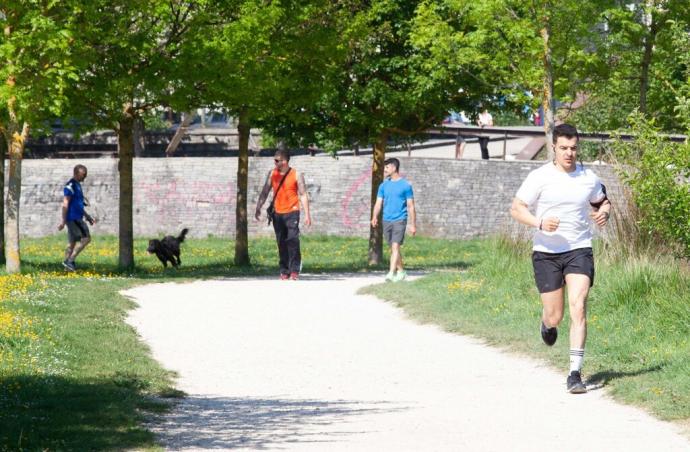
(304, 198)
(377, 211)
(601, 214)
(520, 212)
(89, 218)
(263, 196)
(63, 215)
(412, 215)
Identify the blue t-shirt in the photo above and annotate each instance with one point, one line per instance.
(75, 210)
(395, 194)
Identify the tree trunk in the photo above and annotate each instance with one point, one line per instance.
(3, 148)
(125, 143)
(649, 41)
(547, 101)
(139, 137)
(241, 226)
(376, 233)
(179, 133)
(14, 191)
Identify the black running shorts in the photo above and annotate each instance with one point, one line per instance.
(550, 268)
(77, 230)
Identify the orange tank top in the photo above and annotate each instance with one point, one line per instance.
(288, 199)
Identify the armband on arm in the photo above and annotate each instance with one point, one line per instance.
(598, 204)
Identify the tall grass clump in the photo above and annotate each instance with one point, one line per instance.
(625, 236)
(639, 322)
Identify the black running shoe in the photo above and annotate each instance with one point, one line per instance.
(549, 335)
(69, 265)
(575, 384)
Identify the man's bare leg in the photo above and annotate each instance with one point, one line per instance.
(395, 257)
(578, 290)
(552, 303)
(78, 248)
(69, 249)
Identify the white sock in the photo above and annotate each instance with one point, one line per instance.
(577, 355)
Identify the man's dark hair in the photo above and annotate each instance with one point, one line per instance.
(284, 154)
(564, 130)
(394, 162)
(79, 168)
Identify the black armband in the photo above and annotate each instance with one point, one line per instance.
(598, 204)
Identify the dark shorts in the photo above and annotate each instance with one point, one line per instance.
(394, 231)
(550, 268)
(77, 230)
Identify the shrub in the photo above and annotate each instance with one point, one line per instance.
(658, 173)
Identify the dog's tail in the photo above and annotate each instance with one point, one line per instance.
(182, 235)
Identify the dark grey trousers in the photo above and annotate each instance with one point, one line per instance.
(286, 227)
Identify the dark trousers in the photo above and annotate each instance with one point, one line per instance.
(286, 227)
(484, 147)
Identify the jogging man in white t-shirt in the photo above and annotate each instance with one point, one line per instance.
(566, 198)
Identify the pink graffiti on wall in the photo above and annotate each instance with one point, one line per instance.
(351, 215)
(190, 191)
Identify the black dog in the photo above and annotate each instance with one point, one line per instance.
(168, 249)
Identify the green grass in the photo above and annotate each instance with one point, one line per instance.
(639, 320)
(73, 375)
(213, 256)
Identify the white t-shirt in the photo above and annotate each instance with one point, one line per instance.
(567, 196)
(485, 119)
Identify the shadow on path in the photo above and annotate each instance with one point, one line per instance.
(225, 422)
(601, 379)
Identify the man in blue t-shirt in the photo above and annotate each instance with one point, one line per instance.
(396, 198)
(73, 216)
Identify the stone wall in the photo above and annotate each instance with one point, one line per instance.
(455, 199)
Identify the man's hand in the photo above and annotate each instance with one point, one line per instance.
(600, 217)
(374, 222)
(257, 215)
(413, 229)
(550, 224)
(307, 220)
(61, 226)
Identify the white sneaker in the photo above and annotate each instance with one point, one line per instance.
(401, 275)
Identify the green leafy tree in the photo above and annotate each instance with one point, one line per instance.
(128, 63)
(263, 61)
(681, 42)
(641, 68)
(36, 64)
(657, 170)
(395, 80)
(539, 48)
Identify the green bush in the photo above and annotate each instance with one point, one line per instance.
(658, 173)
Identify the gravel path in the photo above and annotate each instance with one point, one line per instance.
(310, 365)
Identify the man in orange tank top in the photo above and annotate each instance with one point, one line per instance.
(289, 190)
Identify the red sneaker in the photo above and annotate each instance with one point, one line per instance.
(284, 277)
(294, 276)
